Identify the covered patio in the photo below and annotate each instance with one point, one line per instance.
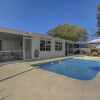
(11, 47)
(14, 45)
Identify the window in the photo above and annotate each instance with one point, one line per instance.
(42, 45)
(48, 45)
(70, 48)
(21, 43)
(0, 45)
(45, 45)
(85, 46)
(58, 46)
(76, 45)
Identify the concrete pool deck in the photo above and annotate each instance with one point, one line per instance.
(21, 81)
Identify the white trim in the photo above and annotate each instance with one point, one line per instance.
(24, 47)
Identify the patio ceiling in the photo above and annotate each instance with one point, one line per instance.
(10, 36)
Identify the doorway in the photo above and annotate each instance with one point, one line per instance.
(27, 48)
(66, 48)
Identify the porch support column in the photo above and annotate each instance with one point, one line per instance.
(68, 49)
(23, 48)
(79, 49)
(73, 48)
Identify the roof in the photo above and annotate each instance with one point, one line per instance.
(16, 32)
(23, 33)
(95, 41)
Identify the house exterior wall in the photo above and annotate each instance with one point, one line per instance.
(14, 44)
(94, 49)
(47, 54)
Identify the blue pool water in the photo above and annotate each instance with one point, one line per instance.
(76, 68)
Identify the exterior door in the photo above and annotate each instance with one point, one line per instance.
(27, 48)
(66, 48)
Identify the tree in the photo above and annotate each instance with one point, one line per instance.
(98, 21)
(69, 32)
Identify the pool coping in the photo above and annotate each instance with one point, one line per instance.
(50, 59)
(29, 65)
(62, 58)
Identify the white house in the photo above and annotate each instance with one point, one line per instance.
(19, 45)
(94, 45)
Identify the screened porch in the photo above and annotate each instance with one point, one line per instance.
(11, 47)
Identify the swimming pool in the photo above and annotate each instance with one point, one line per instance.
(82, 69)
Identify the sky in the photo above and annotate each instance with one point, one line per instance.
(39, 16)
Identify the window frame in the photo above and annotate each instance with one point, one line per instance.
(0, 45)
(58, 46)
(46, 46)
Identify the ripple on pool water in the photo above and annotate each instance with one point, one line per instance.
(75, 68)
